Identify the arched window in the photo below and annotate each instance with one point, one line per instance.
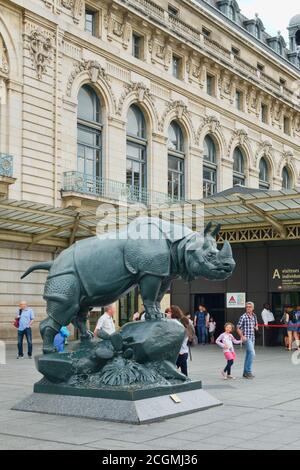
(297, 37)
(89, 135)
(263, 175)
(175, 162)
(209, 167)
(231, 13)
(286, 179)
(136, 175)
(238, 167)
(280, 48)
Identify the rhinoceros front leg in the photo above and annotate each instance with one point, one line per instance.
(150, 287)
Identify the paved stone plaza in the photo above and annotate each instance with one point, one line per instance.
(259, 414)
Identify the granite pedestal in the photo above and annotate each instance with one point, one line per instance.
(135, 406)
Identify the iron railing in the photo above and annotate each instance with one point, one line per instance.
(78, 182)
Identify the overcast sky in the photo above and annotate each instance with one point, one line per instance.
(275, 15)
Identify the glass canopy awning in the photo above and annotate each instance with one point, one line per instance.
(245, 215)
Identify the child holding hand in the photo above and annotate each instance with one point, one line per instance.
(226, 341)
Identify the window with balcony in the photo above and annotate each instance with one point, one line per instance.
(136, 160)
(209, 167)
(286, 179)
(175, 162)
(264, 177)
(89, 134)
(238, 167)
(90, 21)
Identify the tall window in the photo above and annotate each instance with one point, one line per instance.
(90, 22)
(286, 125)
(209, 167)
(89, 131)
(239, 100)
(286, 179)
(264, 182)
(238, 167)
(210, 85)
(175, 162)
(137, 45)
(264, 113)
(136, 153)
(176, 66)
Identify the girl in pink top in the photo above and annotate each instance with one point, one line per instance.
(225, 341)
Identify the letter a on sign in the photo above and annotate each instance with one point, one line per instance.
(276, 274)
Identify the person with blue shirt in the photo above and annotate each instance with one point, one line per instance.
(201, 318)
(25, 317)
(60, 339)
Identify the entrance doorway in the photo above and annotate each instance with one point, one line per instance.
(215, 305)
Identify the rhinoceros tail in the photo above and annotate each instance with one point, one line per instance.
(45, 266)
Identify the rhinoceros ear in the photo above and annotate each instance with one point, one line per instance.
(216, 230)
(207, 228)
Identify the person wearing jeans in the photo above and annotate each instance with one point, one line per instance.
(246, 329)
(26, 317)
(201, 324)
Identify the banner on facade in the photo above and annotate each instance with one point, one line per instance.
(236, 300)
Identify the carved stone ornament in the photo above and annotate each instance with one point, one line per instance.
(239, 137)
(4, 68)
(285, 160)
(178, 106)
(41, 46)
(94, 69)
(115, 27)
(76, 7)
(141, 91)
(264, 148)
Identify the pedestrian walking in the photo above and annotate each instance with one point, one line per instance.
(211, 330)
(226, 341)
(24, 321)
(182, 359)
(201, 324)
(246, 328)
(293, 320)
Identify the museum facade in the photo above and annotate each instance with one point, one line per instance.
(109, 104)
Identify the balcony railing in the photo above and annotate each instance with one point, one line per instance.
(81, 183)
(193, 34)
(6, 165)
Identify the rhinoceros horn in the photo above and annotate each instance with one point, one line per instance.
(226, 251)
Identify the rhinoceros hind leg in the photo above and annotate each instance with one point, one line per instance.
(62, 293)
(80, 322)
